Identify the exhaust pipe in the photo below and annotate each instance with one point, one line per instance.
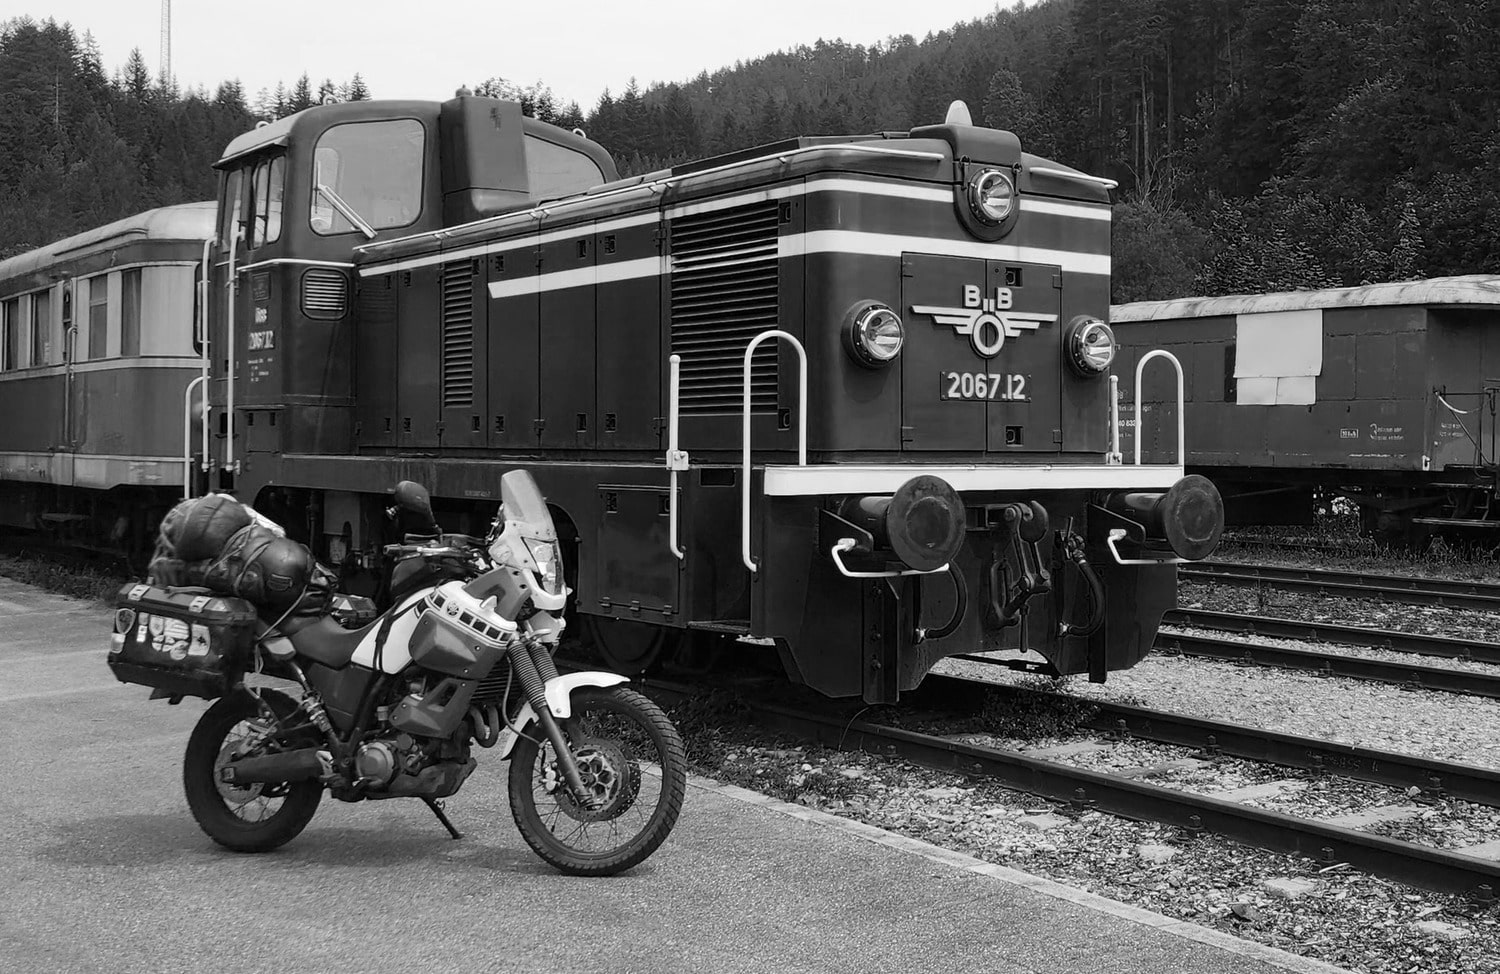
(298, 765)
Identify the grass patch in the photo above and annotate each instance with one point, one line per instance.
(93, 584)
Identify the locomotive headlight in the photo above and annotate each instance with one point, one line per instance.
(1091, 346)
(992, 195)
(874, 335)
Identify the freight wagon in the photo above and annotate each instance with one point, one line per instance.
(1383, 394)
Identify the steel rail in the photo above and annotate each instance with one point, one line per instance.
(1320, 632)
(1394, 588)
(1423, 866)
(1436, 779)
(1415, 675)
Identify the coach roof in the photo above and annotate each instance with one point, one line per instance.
(1472, 290)
(185, 221)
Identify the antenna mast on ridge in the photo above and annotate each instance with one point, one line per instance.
(166, 42)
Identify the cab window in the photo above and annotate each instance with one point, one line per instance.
(553, 170)
(266, 188)
(230, 213)
(375, 168)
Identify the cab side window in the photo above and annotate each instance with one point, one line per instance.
(554, 170)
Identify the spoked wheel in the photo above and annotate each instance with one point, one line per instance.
(628, 647)
(243, 817)
(632, 762)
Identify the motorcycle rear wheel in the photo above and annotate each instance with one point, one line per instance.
(631, 758)
(245, 818)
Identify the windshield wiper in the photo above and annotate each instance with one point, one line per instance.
(346, 211)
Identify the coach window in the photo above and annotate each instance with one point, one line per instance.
(41, 327)
(10, 335)
(553, 170)
(265, 201)
(98, 315)
(374, 169)
(130, 312)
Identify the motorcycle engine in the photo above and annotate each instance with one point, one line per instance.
(378, 762)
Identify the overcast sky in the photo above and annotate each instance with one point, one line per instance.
(415, 49)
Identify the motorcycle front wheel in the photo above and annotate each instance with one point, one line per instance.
(243, 817)
(631, 759)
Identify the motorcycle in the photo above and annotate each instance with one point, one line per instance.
(463, 656)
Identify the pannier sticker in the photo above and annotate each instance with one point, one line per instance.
(199, 645)
(138, 592)
(157, 625)
(198, 603)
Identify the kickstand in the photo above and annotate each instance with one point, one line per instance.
(437, 809)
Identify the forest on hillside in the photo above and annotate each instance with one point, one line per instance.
(1259, 144)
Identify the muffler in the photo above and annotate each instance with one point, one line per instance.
(298, 765)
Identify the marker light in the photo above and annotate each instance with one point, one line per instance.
(992, 195)
(875, 336)
(1091, 346)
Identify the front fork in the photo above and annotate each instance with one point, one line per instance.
(534, 667)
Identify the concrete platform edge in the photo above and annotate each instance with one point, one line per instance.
(1005, 874)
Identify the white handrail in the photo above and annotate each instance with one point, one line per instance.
(205, 295)
(677, 460)
(1140, 426)
(231, 288)
(187, 432)
(1114, 456)
(848, 544)
(745, 442)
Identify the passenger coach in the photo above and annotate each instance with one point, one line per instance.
(99, 342)
(850, 395)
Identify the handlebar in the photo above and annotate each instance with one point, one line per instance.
(442, 546)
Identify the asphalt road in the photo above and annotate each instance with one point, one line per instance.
(103, 869)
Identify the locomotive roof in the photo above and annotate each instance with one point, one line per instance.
(185, 221)
(1481, 290)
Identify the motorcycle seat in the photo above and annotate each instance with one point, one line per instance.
(327, 642)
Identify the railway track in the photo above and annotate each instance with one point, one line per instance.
(1392, 588)
(1419, 865)
(1414, 675)
(1446, 647)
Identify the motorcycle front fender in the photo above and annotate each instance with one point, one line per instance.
(559, 700)
(559, 690)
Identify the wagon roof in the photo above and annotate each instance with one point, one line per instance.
(185, 221)
(1482, 290)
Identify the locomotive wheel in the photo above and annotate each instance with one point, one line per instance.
(250, 817)
(628, 648)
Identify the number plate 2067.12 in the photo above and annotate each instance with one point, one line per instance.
(1009, 387)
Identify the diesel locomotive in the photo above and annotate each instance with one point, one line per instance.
(1383, 394)
(850, 397)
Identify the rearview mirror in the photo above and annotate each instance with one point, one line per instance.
(413, 498)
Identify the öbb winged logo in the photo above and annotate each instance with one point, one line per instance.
(987, 321)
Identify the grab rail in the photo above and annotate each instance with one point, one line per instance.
(187, 431)
(677, 460)
(745, 444)
(1140, 368)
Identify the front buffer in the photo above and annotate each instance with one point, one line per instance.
(869, 575)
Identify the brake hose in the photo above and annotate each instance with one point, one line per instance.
(1073, 551)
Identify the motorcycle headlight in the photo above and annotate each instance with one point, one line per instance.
(992, 194)
(548, 564)
(1091, 346)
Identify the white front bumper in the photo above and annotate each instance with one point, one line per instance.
(839, 478)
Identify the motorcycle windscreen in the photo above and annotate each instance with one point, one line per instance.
(525, 507)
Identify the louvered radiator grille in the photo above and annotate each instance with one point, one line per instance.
(325, 293)
(458, 334)
(724, 293)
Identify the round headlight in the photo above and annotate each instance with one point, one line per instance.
(875, 336)
(1091, 346)
(992, 194)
